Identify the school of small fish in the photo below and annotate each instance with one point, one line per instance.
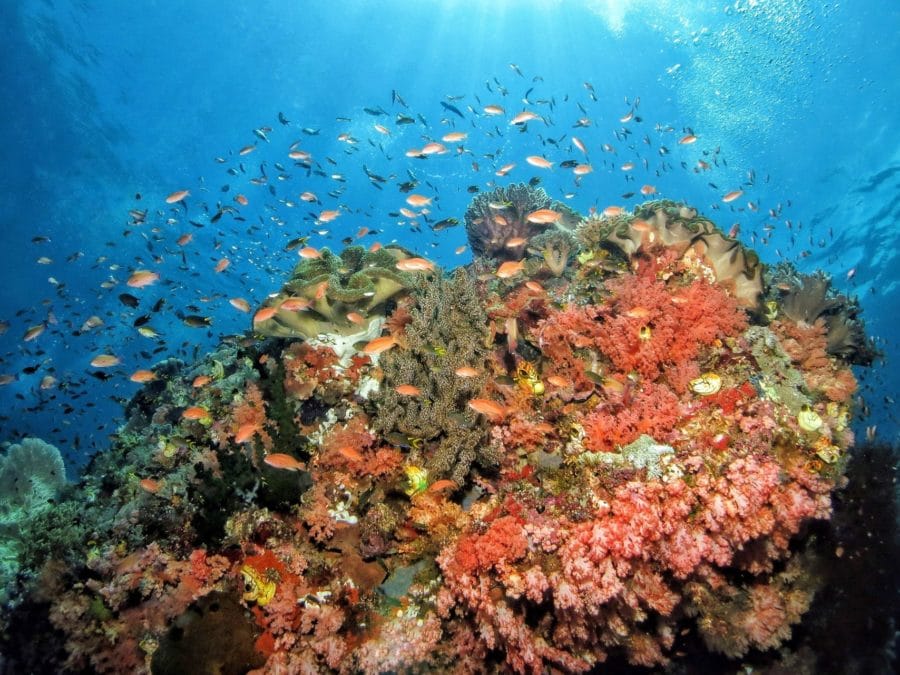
(187, 250)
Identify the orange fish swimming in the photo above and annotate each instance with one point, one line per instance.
(490, 409)
(239, 304)
(539, 162)
(177, 196)
(328, 215)
(379, 345)
(418, 200)
(543, 216)
(295, 304)
(142, 376)
(150, 485)
(195, 412)
(142, 278)
(245, 432)
(280, 460)
(408, 390)
(466, 371)
(731, 196)
(264, 314)
(454, 137)
(415, 265)
(222, 265)
(309, 253)
(105, 361)
(510, 269)
(524, 116)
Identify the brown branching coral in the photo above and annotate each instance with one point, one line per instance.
(806, 298)
(495, 218)
(678, 227)
(446, 331)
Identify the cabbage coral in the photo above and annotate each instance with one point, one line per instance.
(332, 286)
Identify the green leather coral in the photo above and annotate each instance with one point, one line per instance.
(322, 292)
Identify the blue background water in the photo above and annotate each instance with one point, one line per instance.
(104, 100)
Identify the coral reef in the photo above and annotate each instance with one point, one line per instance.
(679, 228)
(498, 223)
(611, 454)
(32, 476)
(324, 290)
(809, 299)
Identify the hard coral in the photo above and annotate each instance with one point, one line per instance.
(494, 218)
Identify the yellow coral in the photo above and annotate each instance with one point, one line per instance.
(418, 479)
(527, 377)
(257, 588)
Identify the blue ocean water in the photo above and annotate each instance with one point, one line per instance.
(109, 107)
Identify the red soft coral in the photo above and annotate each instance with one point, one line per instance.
(649, 327)
(652, 410)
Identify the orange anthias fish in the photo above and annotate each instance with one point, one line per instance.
(195, 412)
(454, 137)
(222, 265)
(443, 484)
(524, 116)
(239, 304)
(201, 381)
(142, 278)
(245, 432)
(380, 344)
(490, 409)
(264, 314)
(309, 253)
(731, 196)
(142, 376)
(150, 485)
(295, 304)
(177, 196)
(418, 200)
(105, 361)
(328, 215)
(466, 371)
(408, 390)
(539, 162)
(415, 265)
(510, 269)
(559, 381)
(543, 216)
(280, 460)
(648, 190)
